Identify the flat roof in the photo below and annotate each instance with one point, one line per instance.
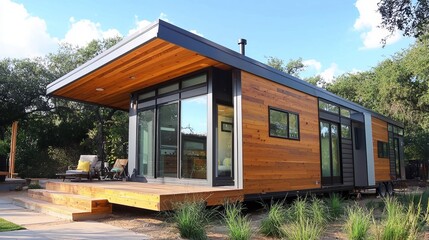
(179, 45)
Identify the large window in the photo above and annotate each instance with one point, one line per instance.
(283, 124)
(173, 129)
(146, 142)
(194, 137)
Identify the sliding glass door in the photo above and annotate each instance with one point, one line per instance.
(330, 153)
(168, 138)
(146, 142)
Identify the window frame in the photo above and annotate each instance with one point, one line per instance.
(382, 148)
(288, 124)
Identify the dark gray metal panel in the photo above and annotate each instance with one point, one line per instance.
(347, 162)
(359, 155)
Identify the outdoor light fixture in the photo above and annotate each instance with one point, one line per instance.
(132, 77)
(99, 89)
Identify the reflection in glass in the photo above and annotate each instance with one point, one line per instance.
(224, 142)
(194, 137)
(293, 126)
(146, 143)
(345, 131)
(194, 81)
(328, 107)
(278, 123)
(325, 148)
(167, 166)
(335, 144)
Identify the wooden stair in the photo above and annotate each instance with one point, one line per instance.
(65, 205)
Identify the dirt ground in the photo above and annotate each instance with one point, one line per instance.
(157, 226)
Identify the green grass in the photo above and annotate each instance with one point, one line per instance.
(358, 223)
(306, 219)
(6, 226)
(335, 205)
(238, 226)
(276, 217)
(304, 229)
(402, 222)
(35, 186)
(191, 218)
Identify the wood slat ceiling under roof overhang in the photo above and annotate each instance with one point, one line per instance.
(153, 62)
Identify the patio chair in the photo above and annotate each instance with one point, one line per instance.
(88, 167)
(118, 170)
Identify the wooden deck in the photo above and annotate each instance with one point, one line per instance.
(151, 196)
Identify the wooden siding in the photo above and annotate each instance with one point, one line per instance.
(274, 164)
(150, 64)
(381, 165)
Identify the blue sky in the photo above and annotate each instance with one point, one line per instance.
(332, 37)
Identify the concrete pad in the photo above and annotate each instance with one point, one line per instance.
(21, 234)
(9, 206)
(24, 217)
(86, 230)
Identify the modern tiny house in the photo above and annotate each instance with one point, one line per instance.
(202, 114)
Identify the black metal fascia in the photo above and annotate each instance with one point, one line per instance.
(183, 38)
(123, 47)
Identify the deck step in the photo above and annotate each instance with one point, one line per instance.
(56, 210)
(93, 205)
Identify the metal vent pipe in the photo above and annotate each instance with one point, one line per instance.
(242, 42)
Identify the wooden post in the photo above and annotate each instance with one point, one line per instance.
(13, 149)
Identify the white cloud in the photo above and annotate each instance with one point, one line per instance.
(84, 31)
(196, 32)
(312, 63)
(23, 35)
(329, 74)
(368, 24)
(163, 17)
(139, 25)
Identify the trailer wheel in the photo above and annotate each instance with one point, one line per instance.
(381, 190)
(389, 189)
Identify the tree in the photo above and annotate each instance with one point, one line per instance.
(293, 67)
(399, 88)
(411, 17)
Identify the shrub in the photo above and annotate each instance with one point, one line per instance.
(335, 205)
(402, 222)
(358, 223)
(34, 186)
(191, 218)
(318, 211)
(304, 229)
(239, 227)
(276, 217)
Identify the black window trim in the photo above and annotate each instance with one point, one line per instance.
(288, 125)
(381, 150)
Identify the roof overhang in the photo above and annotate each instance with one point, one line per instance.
(141, 60)
(161, 52)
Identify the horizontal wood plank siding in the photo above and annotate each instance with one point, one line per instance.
(275, 164)
(381, 165)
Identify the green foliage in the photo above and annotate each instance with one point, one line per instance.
(6, 226)
(276, 217)
(302, 230)
(335, 205)
(401, 222)
(35, 186)
(293, 67)
(191, 218)
(410, 17)
(397, 87)
(306, 219)
(358, 223)
(238, 226)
